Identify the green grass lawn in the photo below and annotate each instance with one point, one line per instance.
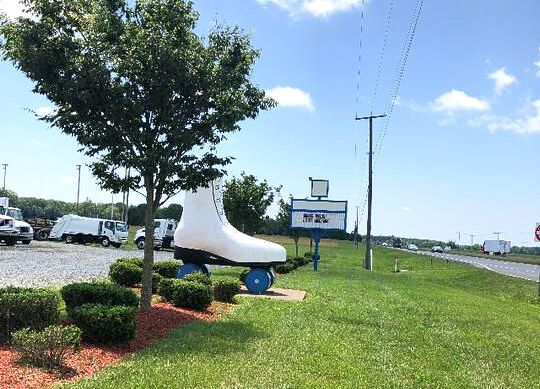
(446, 325)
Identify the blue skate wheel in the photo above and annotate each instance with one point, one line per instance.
(186, 269)
(272, 276)
(258, 281)
(205, 270)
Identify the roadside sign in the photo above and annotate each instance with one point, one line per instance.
(537, 232)
(318, 214)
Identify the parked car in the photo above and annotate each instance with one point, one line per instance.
(385, 244)
(437, 249)
(412, 247)
(447, 249)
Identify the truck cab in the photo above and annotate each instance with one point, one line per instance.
(8, 232)
(163, 234)
(113, 232)
(25, 231)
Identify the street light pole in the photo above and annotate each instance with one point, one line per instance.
(5, 165)
(498, 234)
(78, 187)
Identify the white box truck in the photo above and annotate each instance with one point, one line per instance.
(73, 229)
(163, 234)
(25, 231)
(496, 247)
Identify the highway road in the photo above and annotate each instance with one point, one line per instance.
(514, 269)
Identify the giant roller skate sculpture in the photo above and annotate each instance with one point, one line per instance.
(204, 237)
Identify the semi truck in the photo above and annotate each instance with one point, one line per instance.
(163, 234)
(25, 232)
(78, 229)
(496, 247)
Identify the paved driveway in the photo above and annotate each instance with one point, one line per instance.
(52, 263)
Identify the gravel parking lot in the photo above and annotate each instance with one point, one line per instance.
(52, 263)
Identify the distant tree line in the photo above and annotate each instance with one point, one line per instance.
(33, 207)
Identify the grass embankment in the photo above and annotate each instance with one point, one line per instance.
(446, 325)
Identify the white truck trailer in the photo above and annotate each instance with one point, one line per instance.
(496, 247)
(78, 229)
(25, 232)
(163, 234)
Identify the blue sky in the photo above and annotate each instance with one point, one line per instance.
(462, 149)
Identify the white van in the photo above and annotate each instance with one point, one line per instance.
(73, 228)
(163, 234)
(8, 232)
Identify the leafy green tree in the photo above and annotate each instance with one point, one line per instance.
(138, 89)
(283, 218)
(173, 211)
(11, 195)
(246, 200)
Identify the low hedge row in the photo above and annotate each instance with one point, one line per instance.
(292, 264)
(103, 323)
(27, 308)
(128, 271)
(186, 294)
(78, 294)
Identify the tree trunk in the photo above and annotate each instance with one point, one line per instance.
(296, 244)
(146, 293)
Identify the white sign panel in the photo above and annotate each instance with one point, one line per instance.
(319, 188)
(318, 214)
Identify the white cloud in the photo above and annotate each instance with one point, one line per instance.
(406, 209)
(527, 121)
(537, 64)
(12, 8)
(43, 111)
(317, 8)
(457, 100)
(502, 80)
(287, 96)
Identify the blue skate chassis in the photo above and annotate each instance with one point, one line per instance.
(201, 257)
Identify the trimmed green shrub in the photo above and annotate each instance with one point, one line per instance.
(225, 289)
(243, 275)
(103, 323)
(191, 295)
(25, 307)
(156, 279)
(199, 277)
(125, 273)
(167, 269)
(133, 260)
(300, 261)
(285, 268)
(308, 255)
(292, 264)
(166, 288)
(98, 293)
(48, 348)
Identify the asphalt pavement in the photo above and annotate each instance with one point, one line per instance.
(513, 269)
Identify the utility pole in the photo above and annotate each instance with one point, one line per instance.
(5, 165)
(112, 206)
(498, 234)
(472, 239)
(356, 230)
(367, 260)
(459, 239)
(78, 188)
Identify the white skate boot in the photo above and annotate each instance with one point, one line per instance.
(205, 236)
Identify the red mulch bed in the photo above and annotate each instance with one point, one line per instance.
(151, 326)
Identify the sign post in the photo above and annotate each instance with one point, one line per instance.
(318, 215)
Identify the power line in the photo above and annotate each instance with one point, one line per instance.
(400, 70)
(381, 55)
